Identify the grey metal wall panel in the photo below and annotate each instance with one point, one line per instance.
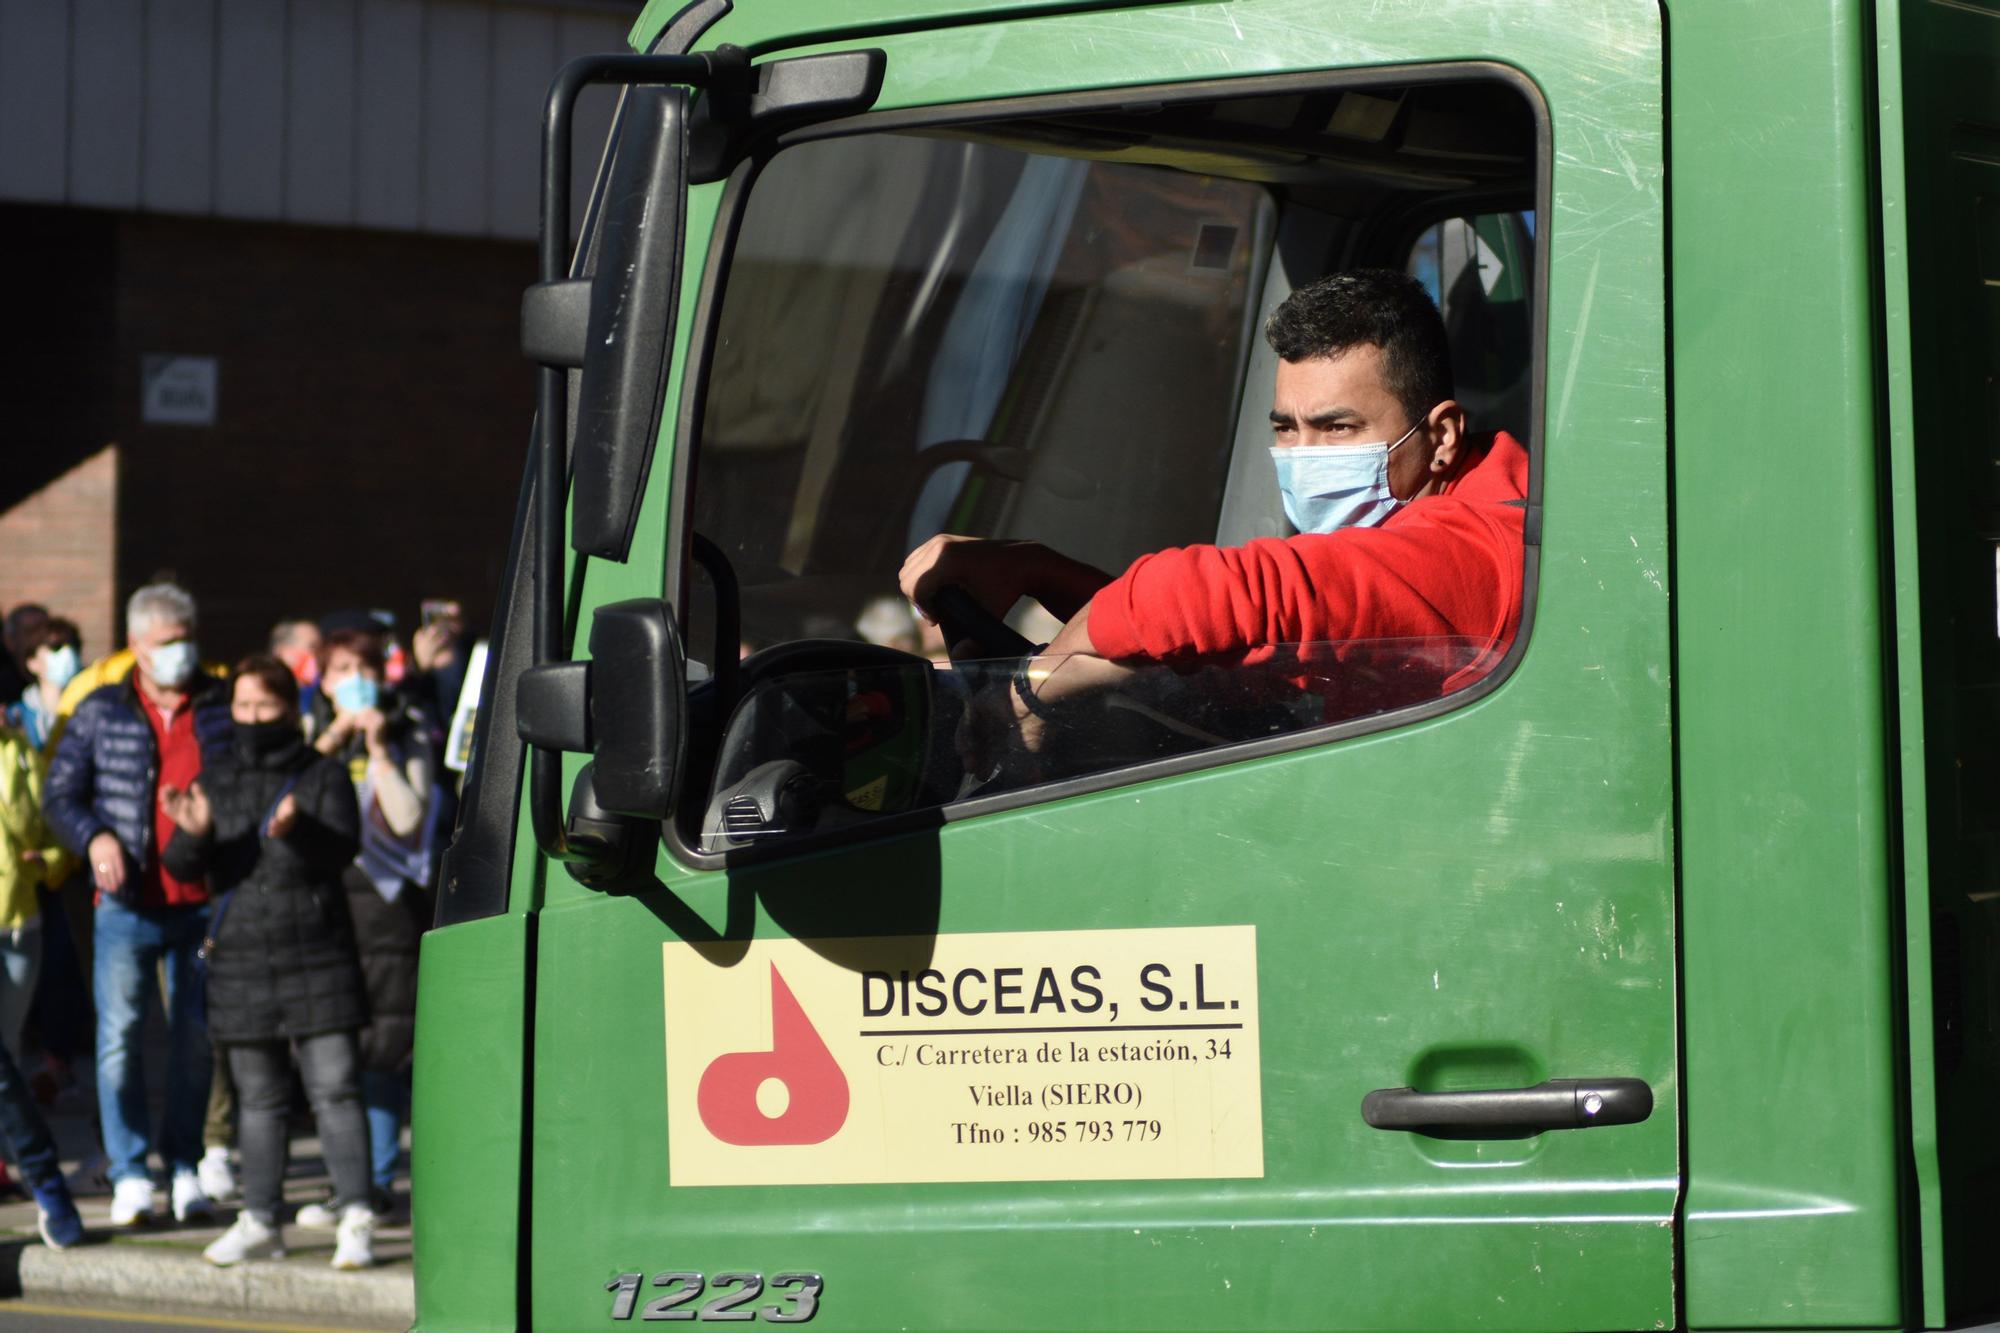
(419, 114)
(389, 115)
(177, 175)
(250, 108)
(319, 111)
(106, 93)
(457, 69)
(524, 58)
(581, 35)
(34, 100)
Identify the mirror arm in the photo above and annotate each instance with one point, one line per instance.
(555, 322)
(728, 617)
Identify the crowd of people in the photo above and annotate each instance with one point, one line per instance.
(248, 848)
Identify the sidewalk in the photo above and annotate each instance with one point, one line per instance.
(161, 1264)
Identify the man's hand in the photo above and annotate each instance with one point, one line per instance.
(994, 574)
(188, 807)
(1068, 670)
(992, 737)
(107, 863)
(997, 574)
(1032, 708)
(284, 818)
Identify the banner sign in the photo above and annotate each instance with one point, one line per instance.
(1073, 1055)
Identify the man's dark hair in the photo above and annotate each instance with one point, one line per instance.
(1370, 305)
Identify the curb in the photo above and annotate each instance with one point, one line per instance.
(147, 1275)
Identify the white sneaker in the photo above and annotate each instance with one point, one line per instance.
(218, 1182)
(249, 1238)
(190, 1203)
(133, 1202)
(354, 1241)
(316, 1215)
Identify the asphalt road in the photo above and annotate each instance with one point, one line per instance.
(48, 1317)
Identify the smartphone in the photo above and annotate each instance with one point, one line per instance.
(435, 609)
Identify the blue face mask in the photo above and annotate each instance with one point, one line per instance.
(356, 694)
(60, 666)
(1332, 486)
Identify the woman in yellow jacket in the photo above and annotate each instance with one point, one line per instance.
(29, 857)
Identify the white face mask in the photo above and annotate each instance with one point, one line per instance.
(172, 663)
(1332, 486)
(59, 667)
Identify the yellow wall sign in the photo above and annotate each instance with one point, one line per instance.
(1072, 1055)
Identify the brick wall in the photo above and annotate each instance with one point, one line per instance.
(61, 544)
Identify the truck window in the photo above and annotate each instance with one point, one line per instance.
(897, 302)
(1044, 330)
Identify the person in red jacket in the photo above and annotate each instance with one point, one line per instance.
(1403, 582)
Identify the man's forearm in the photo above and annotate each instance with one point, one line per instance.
(1070, 666)
(1065, 586)
(1074, 637)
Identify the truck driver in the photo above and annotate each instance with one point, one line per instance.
(1409, 527)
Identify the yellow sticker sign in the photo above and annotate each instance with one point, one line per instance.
(1071, 1055)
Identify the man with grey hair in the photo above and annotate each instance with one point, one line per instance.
(126, 742)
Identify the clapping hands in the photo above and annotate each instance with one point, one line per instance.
(188, 807)
(284, 818)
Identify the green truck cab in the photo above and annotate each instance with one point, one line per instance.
(1640, 971)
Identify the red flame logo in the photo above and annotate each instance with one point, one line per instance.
(816, 1104)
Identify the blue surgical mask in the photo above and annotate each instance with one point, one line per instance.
(1332, 486)
(172, 663)
(356, 694)
(59, 667)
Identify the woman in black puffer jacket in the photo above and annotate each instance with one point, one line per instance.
(273, 825)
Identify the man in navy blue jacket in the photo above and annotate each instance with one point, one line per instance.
(125, 742)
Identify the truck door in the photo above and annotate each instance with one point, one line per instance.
(920, 1024)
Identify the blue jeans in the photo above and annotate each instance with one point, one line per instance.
(20, 964)
(134, 944)
(387, 1098)
(21, 1125)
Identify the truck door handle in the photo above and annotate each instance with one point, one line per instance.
(1511, 1113)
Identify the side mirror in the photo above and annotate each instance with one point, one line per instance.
(638, 707)
(626, 706)
(615, 322)
(565, 325)
(635, 292)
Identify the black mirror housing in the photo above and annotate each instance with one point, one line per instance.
(638, 707)
(635, 288)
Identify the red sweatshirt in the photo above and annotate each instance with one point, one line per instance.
(1446, 569)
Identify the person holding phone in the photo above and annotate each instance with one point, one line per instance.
(386, 743)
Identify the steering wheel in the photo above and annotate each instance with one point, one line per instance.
(961, 619)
